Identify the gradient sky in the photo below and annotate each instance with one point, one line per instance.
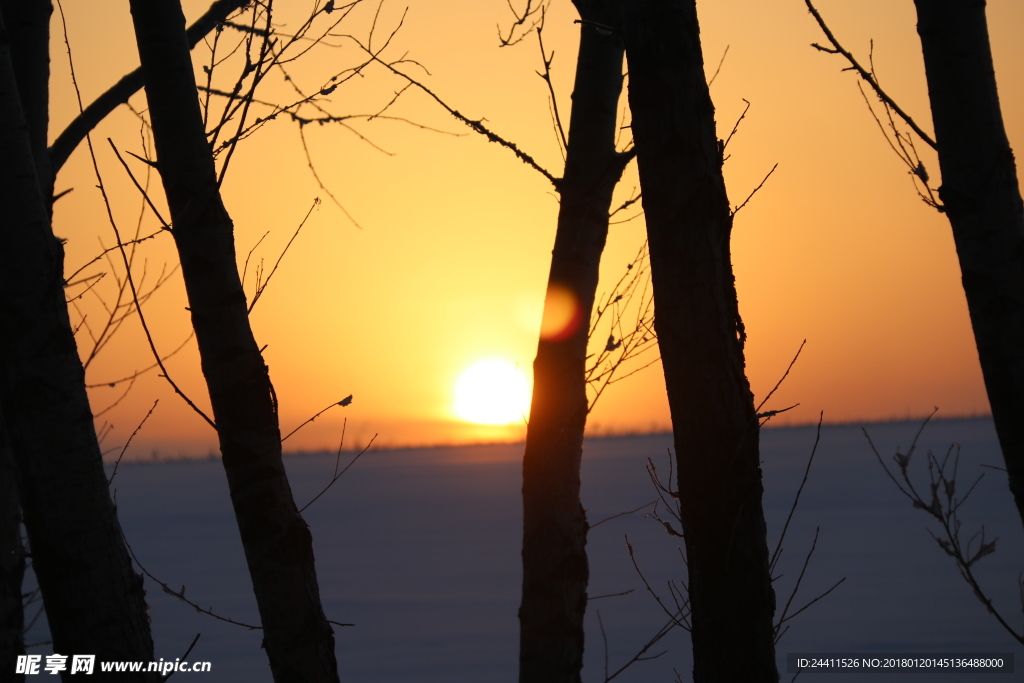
(449, 263)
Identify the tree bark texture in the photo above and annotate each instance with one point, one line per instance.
(278, 545)
(28, 26)
(12, 566)
(982, 199)
(555, 568)
(701, 337)
(94, 600)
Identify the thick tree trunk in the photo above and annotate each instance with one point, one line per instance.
(94, 600)
(982, 198)
(555, 569)
(12, 566)
(701, 338)
(278, 545)
(28, 25)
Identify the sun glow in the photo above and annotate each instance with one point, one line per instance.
(492, 392)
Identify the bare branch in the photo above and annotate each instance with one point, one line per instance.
(546, 60)
(337, 474)
(180, 594)
(796, 588)
(796, 499)
(129, 442)
(121, 91)
(343, 402)
(621, 514)
(261, 288)
(942, 485)
(720, 62)
(867, 76)
(316, 176)
(625, 341)
(639, 656)
(477, 126)
(138, 373)
(134, 290)
(736, 126)
(633, 199)
(782, 379)
(679, 617)
(751, 195)
(529, 12)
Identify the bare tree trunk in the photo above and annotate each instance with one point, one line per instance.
(555, 568)
(94, 600)
(278, 545)
(12, 566)
(701, 338)
(982, 199)
(28, 23)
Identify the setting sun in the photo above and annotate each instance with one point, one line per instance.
(492, 392)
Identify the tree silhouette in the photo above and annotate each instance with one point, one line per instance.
(277, 543)
(555, 567)
(701, 338)
(94, 600)
(12, 562)
(980, 195)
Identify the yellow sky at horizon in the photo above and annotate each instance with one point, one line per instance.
(450, 264)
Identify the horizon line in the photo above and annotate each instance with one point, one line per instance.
(609, 434)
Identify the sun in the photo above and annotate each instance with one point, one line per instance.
(492, 392)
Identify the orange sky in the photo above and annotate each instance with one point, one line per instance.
(450, 264)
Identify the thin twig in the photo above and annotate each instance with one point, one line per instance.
(477, 126)
(947, 515)
(316, 176)
(260, 289)
(751, 195)
(181, 594)
(639, 656)
(187, 651)
(622, 514)
(675, 617)
(120, 398)
(120, 92)
(129, 441)
(796, 499)
(120, 242)
(866, 75)
(610, 595)
(343, 402)
(796, 588)
(546, 76)
(146, 369)
(736, 126)
(720, 62)
(781, 379)
(135, 294)
(337, 474)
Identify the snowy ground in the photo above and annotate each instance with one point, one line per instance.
(420, 550)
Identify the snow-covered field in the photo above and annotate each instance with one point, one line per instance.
(420, 550)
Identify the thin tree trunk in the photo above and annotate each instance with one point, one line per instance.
(278, 545)
(982, 199)
(94, 600)
(555, 568)
(12, 566)
(701, 338)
